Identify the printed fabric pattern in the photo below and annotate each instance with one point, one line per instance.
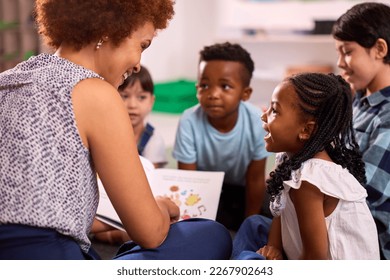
(46, 175)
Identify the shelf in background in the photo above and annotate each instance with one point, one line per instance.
(285, 38)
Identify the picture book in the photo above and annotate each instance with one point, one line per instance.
(195, 192)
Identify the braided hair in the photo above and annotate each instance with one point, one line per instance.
(328, 99)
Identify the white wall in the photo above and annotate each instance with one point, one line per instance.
(174, 52)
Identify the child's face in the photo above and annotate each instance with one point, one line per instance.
(283, 121)
(359, 66)
(138, 102)
(220, 88)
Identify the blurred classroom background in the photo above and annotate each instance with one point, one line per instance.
(283, 37)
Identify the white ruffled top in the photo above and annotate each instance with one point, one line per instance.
(351, 228)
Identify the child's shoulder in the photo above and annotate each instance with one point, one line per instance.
(250, 112)
(192, 112)
(331, 178)
(191, 117)
(249, 107)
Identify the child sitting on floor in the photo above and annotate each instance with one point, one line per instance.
(317, 194)
(224, 133)
(137, 92)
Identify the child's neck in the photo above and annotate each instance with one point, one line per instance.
(224, 125)
(381, 80)
(323, 155)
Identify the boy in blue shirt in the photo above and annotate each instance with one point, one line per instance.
(224, 133)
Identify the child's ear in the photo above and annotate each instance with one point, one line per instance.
(246, 94)
(381, 48)
(307, 131)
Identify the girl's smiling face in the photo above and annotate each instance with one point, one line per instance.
(283, 121)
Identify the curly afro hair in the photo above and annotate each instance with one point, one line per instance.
(79, 23)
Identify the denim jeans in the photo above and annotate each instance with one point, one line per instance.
(251, 236)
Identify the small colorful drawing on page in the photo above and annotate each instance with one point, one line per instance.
(188, 201)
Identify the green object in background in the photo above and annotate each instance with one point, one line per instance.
(174, 97)
(9, 56)
(4, 25)
(28, 54)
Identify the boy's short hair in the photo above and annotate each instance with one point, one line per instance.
(230, 52)
(364, 24)
(144, 78)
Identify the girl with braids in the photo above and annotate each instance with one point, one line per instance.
(317, 198)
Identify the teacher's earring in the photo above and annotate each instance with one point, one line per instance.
(99, 44)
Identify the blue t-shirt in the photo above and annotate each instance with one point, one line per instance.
(197, 141)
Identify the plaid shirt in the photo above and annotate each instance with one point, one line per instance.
(371, 117)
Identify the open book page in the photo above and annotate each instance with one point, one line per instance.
(195, 192)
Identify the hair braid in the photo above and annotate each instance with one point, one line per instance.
(327, 98)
